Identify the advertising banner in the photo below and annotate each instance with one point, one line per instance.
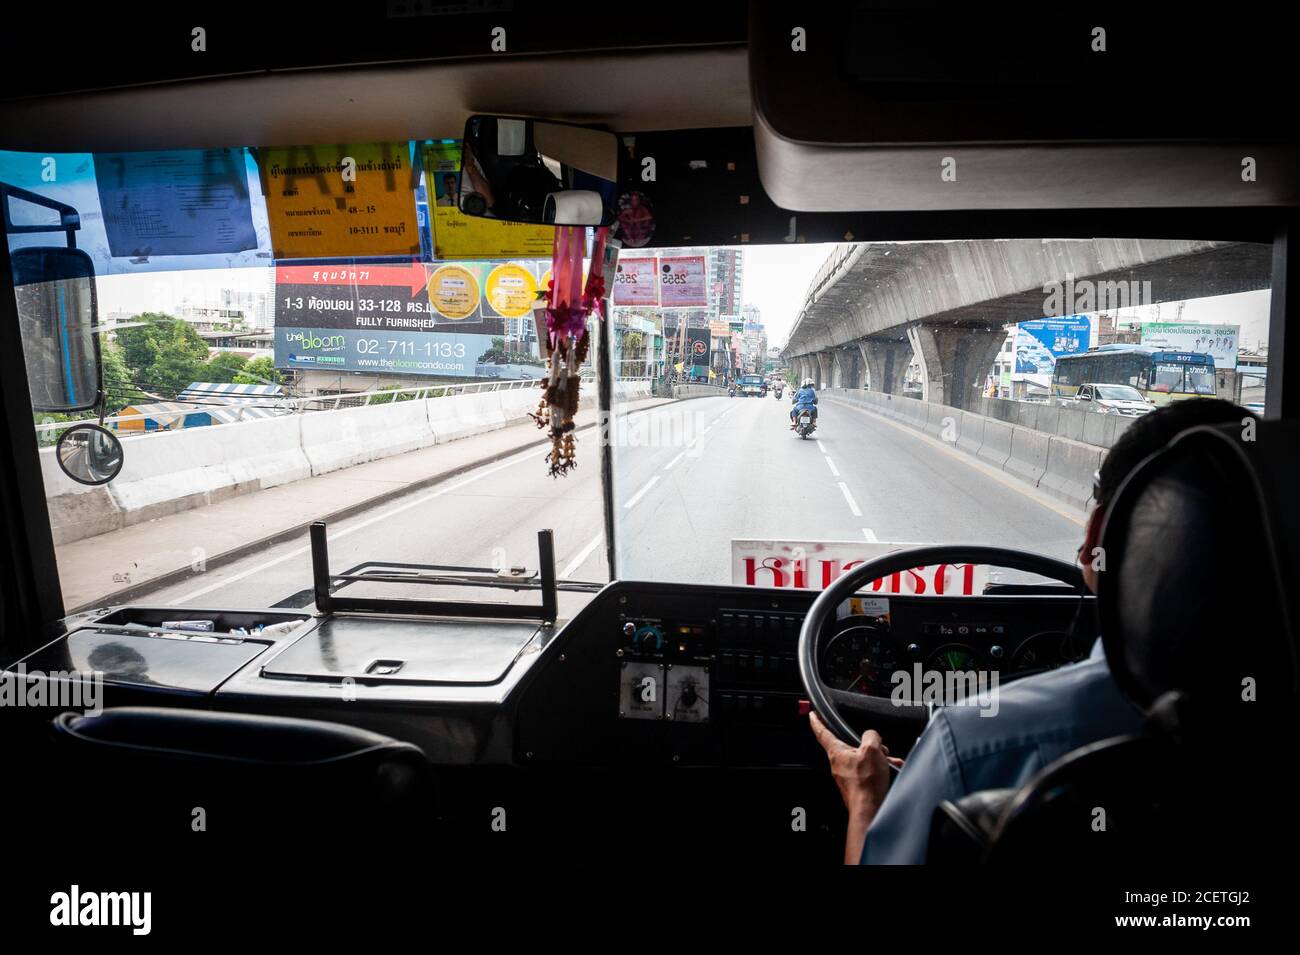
(815, 565)
(1218, 341)
(352, 199)
(409, 318)
(634, 281)
(458, 236)
(1039, 343)
(697, 347)
(400, 353)
(683, 281)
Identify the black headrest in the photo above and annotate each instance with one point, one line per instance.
(1197, 595)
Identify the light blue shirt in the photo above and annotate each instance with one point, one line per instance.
(1039, 719)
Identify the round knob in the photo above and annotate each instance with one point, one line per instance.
(996, 651)
(629, 628)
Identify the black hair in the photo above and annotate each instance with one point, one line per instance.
(1151, 432)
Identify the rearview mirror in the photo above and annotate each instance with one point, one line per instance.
(55, 293)
(524, 170)
(89, 454)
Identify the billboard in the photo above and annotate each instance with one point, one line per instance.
(1039, 343)
(698, 344)
(1218, 341)
(409, 318)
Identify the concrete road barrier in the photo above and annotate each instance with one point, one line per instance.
(1070, 466)
(1028, 457)
(995, 448)
(972, 432)
(333, 440)
(164, 473)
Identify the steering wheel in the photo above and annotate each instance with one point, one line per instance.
(826, 700)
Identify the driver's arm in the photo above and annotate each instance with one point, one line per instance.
(891, 824)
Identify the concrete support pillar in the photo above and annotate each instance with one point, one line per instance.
(886, 361)
(825, 369)
(846, 369)
(955, 360)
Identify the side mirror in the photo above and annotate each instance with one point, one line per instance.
(89, 454)
(54, 289)
(544, 173)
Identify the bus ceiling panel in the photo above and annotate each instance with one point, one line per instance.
(858, 73)
(863, 107)
(663, 89)
(933, 178)
(152, 41)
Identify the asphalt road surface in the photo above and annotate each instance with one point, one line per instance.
(689, 477)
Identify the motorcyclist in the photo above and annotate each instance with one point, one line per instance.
(805, 399)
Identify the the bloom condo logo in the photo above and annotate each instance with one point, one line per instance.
(320, 346)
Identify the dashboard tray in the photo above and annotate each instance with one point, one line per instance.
(383, 650)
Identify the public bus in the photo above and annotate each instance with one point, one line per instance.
(421, 629)
(1160, 376)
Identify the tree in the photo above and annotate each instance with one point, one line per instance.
(259, 371)
(164, 354)
(119, 389)
(224, 366)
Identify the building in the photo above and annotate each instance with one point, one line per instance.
(726, 280)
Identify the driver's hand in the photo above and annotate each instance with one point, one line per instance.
(861, 774)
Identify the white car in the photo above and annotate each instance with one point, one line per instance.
(1113, 399)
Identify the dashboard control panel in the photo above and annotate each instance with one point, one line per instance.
(693, 675)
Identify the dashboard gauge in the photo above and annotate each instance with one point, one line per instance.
(955, 657)
(860, 659)
(1045, 651)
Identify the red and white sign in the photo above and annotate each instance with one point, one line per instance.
(636, 282)
(815, 565)
(683, 281)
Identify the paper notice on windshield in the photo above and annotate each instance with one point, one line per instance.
(635, 281)
(683, 281)
(349, 200)
(179, 202)
(458, 236)
(815, 565)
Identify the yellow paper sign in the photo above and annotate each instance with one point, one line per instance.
(353, 199)
(458, 236)
(453, 290)
(511, 290)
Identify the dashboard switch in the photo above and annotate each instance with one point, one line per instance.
(805, 707)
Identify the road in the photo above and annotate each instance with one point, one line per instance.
(689, 477)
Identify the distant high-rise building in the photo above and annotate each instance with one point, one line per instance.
(726, 280)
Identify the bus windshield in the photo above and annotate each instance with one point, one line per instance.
(257, 387)
(1118, 393)
(1200, 380)
(1169, 377)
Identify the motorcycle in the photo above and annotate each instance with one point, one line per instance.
(731, 391)
(804, 425)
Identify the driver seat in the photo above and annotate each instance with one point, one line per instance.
(1198, 609)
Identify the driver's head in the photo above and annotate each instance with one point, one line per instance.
(1143, 438)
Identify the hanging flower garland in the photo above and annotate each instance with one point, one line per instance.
(568, 303)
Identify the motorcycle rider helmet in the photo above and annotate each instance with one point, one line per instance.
(807, 383)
